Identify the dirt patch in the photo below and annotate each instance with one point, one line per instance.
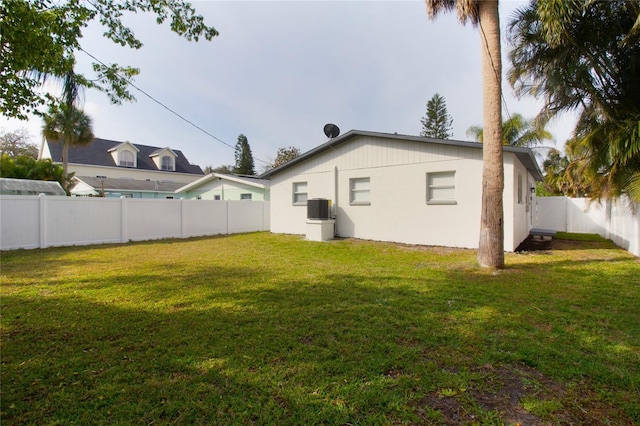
(516, 395)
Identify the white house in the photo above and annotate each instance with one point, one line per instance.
(219, 186)
(119, 169)
(406, 189)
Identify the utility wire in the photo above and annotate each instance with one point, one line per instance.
(130, 83)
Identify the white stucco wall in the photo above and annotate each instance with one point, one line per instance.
(398, 185)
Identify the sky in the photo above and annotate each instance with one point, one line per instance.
(279, 71)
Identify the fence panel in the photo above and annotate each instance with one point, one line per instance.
(19, 221)
(204, 218)
(551, 213)
(617, 220)
(40, 221)
(81, 221)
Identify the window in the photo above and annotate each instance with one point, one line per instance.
(441, 188)
(167, 163)
(245, 196)
(300, 193)
(520, 188)
(126, 159)
(216, 197)
(360, 193)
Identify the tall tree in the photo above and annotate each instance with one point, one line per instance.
(69, 125)
(484, 13)
(17, 143)
(66, 122)
(285, 155)
(244, 158)
(437, 123)
(517, 131)
(39, 38)
(585, 56)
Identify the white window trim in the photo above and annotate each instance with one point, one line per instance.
(170, 167)
(123, 163)
(437, 202)
(244, 198)
(353, 191)
(295, 192)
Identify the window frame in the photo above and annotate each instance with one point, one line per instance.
(296, 193)
(122, 162)
(354, 191)
(520, 189)
(170, 166)
(431, 200)
(243, 196)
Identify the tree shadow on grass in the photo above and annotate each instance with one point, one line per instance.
(200, 348)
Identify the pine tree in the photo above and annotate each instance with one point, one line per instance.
(437, 123)
(244, 158)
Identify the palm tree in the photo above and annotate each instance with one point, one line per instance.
(71, 126)
(585, 57)
(484, 13)
(517, 131)
(66, 122)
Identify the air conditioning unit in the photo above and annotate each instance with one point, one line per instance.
(318, 208)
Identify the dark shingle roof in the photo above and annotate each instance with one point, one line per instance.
(97, 154)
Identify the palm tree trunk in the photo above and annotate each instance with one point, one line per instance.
(65, 160)
(491, 245)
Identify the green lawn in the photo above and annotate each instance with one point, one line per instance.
(272, 329)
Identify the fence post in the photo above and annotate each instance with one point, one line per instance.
(182, 218)
(123, 219)
(43, 221)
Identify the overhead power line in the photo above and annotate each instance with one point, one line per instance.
(172, 111)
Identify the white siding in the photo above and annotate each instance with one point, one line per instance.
(398, 193)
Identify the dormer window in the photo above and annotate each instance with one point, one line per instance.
(167, 163)
(164, 159)
(125, 155)
(126, 159)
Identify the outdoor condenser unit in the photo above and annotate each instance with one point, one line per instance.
(318, 208)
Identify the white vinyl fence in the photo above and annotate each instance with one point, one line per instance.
(617, 220)
(42, 221)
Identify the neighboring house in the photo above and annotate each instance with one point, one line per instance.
(218, 186)
(124, 169)
(123, 187)
(29, 187)
(406, 189)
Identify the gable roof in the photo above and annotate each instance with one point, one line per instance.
(97, 153)
(250, 181)
(525, 155)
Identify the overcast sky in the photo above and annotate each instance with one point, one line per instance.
(279, 71)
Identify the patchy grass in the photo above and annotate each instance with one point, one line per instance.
(580, 237)
(272, 329)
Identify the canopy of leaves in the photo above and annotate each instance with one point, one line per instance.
(40, 38)
(585, 56)
(17, 143)
(244, 158)
(517, 131)
(285, 155)
(437, 123)
(27, 167)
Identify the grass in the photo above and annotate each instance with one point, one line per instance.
(272, 329)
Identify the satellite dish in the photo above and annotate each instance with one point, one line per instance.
(331, 130)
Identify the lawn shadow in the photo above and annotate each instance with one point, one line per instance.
(333, 349)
